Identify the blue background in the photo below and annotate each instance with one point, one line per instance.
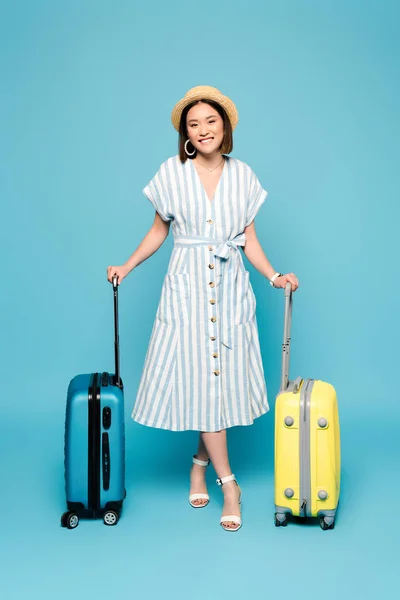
(87, 92)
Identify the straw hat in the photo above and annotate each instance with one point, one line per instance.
(204, 92)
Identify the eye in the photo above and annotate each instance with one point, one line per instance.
(213, 121)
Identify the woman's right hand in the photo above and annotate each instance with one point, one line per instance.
(121, 273)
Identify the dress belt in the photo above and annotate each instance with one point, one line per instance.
(228, 294)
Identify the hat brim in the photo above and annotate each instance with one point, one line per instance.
(197, 95)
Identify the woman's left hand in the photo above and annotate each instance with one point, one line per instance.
(280, 282)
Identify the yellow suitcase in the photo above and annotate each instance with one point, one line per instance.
(307, 444)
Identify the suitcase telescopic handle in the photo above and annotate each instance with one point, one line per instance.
(286, 337)
(116, 334)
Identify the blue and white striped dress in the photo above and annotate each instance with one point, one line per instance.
(203, 369)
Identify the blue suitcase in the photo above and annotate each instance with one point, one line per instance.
(94, 449)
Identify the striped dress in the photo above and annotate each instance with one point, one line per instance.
(203, 369)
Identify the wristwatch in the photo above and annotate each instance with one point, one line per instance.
(275, 276)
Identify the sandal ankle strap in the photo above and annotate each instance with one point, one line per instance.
(222, 480)
(201, 463)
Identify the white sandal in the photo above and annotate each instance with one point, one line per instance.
(202, 463)
(230, 518)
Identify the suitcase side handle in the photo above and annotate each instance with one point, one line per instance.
(116, 334)
(286, 337)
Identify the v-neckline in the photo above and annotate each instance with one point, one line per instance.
(226, 158)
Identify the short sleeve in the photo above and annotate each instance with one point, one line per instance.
(157, 192)
(256, 198)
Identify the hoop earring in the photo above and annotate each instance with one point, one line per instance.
(186, 150)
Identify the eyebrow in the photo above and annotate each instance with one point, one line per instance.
(209, 117)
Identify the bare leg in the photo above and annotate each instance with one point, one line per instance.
(216, 446)
(202, 453)
(197, 474)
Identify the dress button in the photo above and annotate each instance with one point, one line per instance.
(216, 372)
(212, 338)
(210, 248)
(211, 266)
(212, 301)
(211, 284)
(215, 354)
(210, 221)
(213, 319)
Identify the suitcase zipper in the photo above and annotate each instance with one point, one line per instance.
(94, 446)
(305, 467)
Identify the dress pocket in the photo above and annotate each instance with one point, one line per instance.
(245, 299)
(174, 305)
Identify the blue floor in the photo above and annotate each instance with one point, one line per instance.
(164, 548)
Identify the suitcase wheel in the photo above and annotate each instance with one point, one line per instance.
(281, 521)
(70, 520)
(324, 525)
(110, 517)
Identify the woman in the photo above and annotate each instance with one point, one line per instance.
(203, 369)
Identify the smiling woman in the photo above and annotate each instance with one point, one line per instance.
(200, 119)
(203, 369)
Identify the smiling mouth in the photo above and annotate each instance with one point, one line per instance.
(206, 140)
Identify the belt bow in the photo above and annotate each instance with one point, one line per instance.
(228, 292)
(223, 248)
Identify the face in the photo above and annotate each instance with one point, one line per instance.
(205, 128)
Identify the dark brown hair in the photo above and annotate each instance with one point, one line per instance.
(227, 140)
